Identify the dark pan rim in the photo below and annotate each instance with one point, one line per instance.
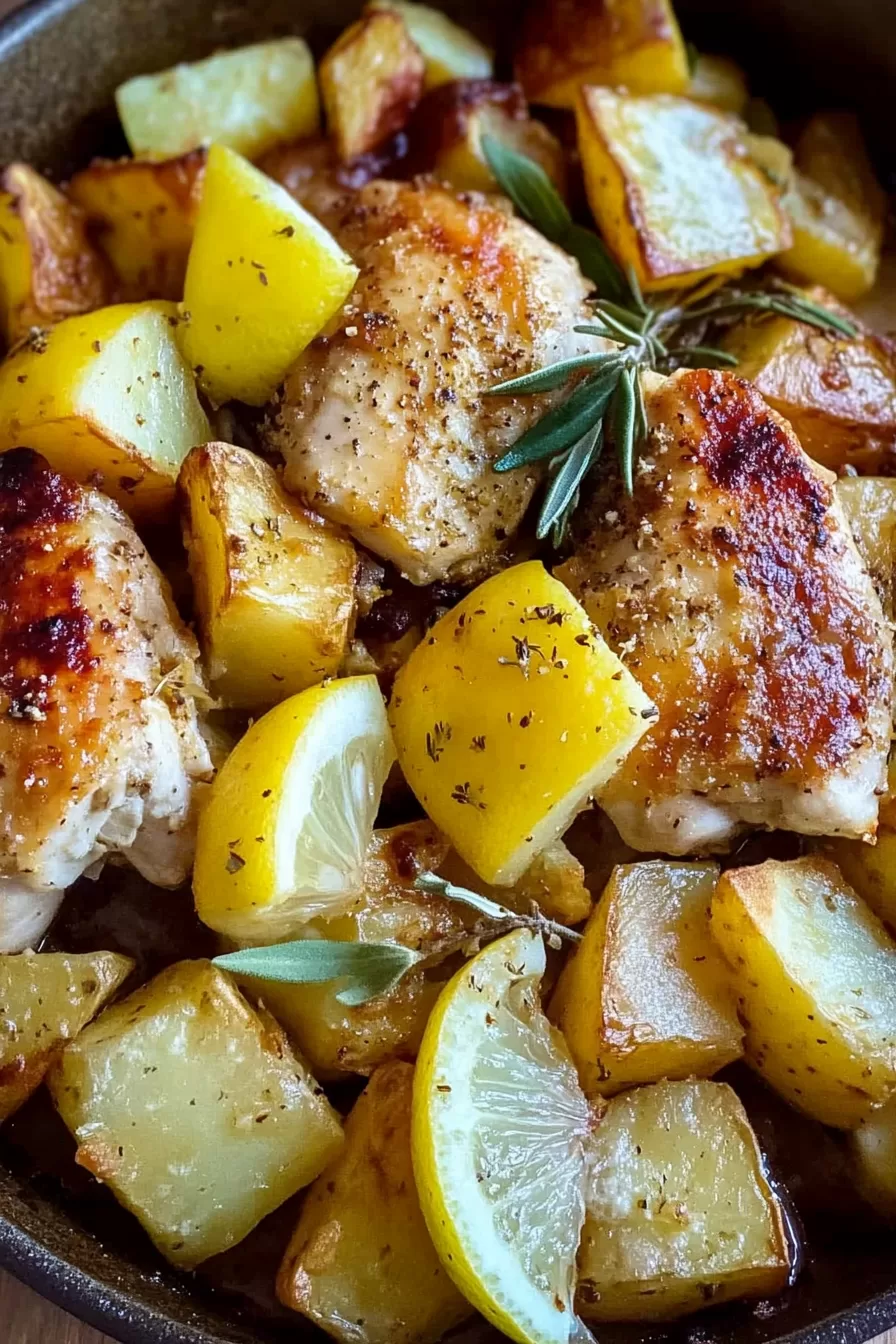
(122, 1317)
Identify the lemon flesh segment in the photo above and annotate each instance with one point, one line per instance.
(509, 715)
(499, 1124)
(283, 837)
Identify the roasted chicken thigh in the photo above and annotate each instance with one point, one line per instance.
(383, 421)
(100, 748)
(732, 586)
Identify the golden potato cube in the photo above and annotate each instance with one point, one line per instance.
(274, 585)
(192, 1108)
(837, 208)
(870, 870)
(371, 79)
(445, 135)
(361, 1263)
(869, 503)
(249, 99)
(46, 998)
(679, 1212)
(815, 975)
(673, 189)
(143, 216)
(337, 1039)
(831, 244)
(839, 394)
(646, 996)
(719, 81)
(108, 399)
(873, 1151)
(509, 716)
(49, 269)
(449, 52)
(635, 44)
(263, 278)
(554, 882)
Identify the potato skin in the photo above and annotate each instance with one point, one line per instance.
(799, 941)
(839, 394)
(361, 1263)
(679, 1212)
(370, 79)
(49, 267)
(142, 216)
(274, 585)
(567, 43)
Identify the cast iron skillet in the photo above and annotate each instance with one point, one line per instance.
(60, 61)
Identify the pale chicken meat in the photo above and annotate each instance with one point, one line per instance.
(100, 745)
(732, 588)
(383, 422)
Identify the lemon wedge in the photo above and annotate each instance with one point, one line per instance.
(283, 836)
(499, 1124)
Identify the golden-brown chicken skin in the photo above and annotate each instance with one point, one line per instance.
(99, 754)
(383, 422)
(732, 587)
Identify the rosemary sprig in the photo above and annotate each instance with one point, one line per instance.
(608, 402)
(500, 914)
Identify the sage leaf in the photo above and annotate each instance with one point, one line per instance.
(624, 417)
(529, 187)
(595, 262)
(370, 969)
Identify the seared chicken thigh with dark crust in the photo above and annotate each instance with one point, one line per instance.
(732, 587)
(100, 748)
(383, 421)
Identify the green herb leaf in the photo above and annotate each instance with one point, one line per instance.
(564, 488)
(700, 353)
(553, 375)
(596, 262)
(438, 886)
(529, 187)
(565, 424)
(693, 56)
(624, 416)
(371, 969)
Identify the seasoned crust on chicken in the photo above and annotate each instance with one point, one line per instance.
(383, 422)
(96, 756)
(733, 589)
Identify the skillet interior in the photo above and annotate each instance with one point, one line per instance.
(60, 61)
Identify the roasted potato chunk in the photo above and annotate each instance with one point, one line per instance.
(263, 278)
(248, 99)
(554, 882)
(836, 207)
(449, 52)
(815, 974)
(142, 216)
(107, 398)
(49, 268)
(839, 394)
(192, 1108)
(871, 871)
(873, 1151)
(446, 133)
(361, 1263)
(673, 189)
(646, 996)
(632, 43)
(371, 79)
(679, 1212)
(46, 998)
(719, 81)
(869, 503)
(337, 1039)
(274, 586)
